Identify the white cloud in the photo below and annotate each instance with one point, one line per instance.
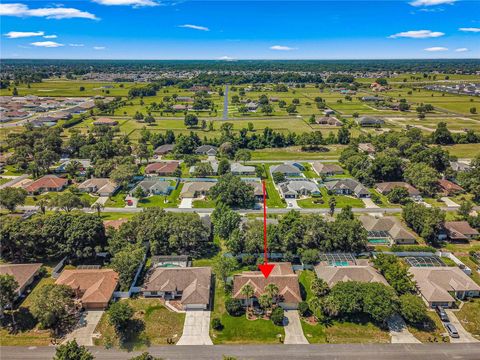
(76, 45)
(432, 2)
(99, 48)
(470, 29)
(461, 50)
(50, 36)
(226, 58)
(23, 34)
(47, 44)
(134, 3)
(436, 48)
(195, 27)
(22, 10)
(417, 34)
(281, 48)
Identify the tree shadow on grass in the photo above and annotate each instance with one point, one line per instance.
(134, 337)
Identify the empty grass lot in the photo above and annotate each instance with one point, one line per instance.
(431, 331)
(153, 323)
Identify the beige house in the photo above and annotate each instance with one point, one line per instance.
(191, 286)
(387, 229)
(100, 186)
(196, 189)
(360, 273)
(24, 274)
(438, 284)
(327, 169)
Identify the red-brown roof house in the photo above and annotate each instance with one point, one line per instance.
(460, 230)
(46, 183)
(24, 274)
(162, 168)
(105, 121)
(282, 275)
(114, 223)
(93, 287)
(448, 188)
(385, 187)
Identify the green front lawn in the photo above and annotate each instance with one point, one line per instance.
(153, 323)
(469, 316)
(159, 200)
(117, 200)
(342, 201)
(239, 330)
(430, 331)
(364, 332)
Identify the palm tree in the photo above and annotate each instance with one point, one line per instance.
(97, 206)
(43, 203)
(319, 287)
(332, 202)
(247, 291)
(272, 291)
(72, 168)
(265, 301)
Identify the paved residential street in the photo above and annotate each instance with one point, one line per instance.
(293, 328)
(196, 329)
(272, 352)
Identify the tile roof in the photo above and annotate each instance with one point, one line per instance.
(162, 167)
(95, 285)
(282, 276)
(46, 182)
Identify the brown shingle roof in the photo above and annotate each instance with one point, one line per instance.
(460, 230)
(321, 168)
(282, 276)
(22, 273)
(386, 187)
(335, 274)
(194, 282)
(449, 186)
(105, 121)
(162, 167)
(95, 285)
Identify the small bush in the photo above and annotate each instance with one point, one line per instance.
(277, 316)
(234, 307)
(303, 308)
(217, 324)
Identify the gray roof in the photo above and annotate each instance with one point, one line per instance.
(154, 185)
(389, 224)
(206, 149)
(335, 274)
(351, 184)
(239, 168)
(285, 169)
(296, 187)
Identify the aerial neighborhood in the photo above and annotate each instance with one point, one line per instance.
(136, 214)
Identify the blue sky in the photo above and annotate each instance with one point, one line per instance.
(151, 29)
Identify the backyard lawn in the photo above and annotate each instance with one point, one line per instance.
(153, 323)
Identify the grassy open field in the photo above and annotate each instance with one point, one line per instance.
(71, 88)
(469, 316)
(295, 153)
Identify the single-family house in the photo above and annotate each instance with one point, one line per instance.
(459, 166)
(324, 169)
(99, 186)
(213, 164)
(240, 169)
(83, 165)
(386, 229)
(282, 276)
(347, 187)
(154, 187)
(448, 188)
(328, 120)
(105, 121)
(209, 150)
(460, 231)
(196, 189)
(191, 286)
(24, 274)
(384, 188)
(93, 287)
(286, 169)
(367, 148)
(46, 183)
(162, 168)
(369, 121)
(361, 273)
(438, 284)
(251, 106)
(293, 189)
(257, 189)
(164, 149)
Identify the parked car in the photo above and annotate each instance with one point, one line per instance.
(452, 330)
(442, 313)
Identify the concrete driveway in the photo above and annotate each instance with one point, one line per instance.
(465, 336)
(196, 329)
(369, 204)
(292, 204)
(85, 328)
(186, 203)
(449, 202)
(399, 331)
(293, 328)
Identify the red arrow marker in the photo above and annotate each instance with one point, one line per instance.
(265, 268)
